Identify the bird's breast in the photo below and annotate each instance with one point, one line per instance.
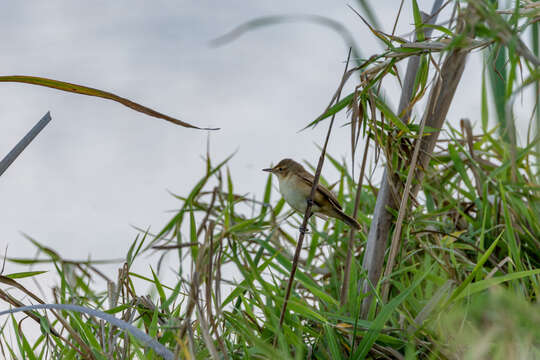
(295, 193)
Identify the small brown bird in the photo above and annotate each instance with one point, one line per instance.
(295, 185)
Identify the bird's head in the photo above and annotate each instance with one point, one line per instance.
(285, 167)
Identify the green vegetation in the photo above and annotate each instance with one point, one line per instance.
(465, 280)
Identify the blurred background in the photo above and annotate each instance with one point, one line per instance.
(99, 169)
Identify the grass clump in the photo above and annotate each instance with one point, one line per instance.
(234, 255)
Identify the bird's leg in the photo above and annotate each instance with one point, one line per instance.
(310, 203)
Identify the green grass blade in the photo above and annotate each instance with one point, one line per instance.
(387, 310)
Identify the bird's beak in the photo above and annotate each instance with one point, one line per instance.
(268, 170)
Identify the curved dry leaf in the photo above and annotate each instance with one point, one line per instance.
(84, 90)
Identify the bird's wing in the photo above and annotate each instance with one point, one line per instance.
(308, 179)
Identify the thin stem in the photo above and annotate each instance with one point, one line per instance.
(24, 142)
(352, 232)
(308, 213)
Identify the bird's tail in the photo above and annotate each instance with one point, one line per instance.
(349, 220)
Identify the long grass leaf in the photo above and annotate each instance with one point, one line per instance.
(482, 285)
(387, 310)
(85, 90)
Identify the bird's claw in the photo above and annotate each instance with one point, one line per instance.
(310, 202)
(303, 230)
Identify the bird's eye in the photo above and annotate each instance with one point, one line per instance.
(280, 169)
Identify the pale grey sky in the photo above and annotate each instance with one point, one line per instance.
(100, 167)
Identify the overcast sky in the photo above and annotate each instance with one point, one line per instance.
(99, 167)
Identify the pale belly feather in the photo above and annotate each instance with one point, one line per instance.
(296, 199)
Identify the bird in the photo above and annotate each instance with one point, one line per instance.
(295, 184)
